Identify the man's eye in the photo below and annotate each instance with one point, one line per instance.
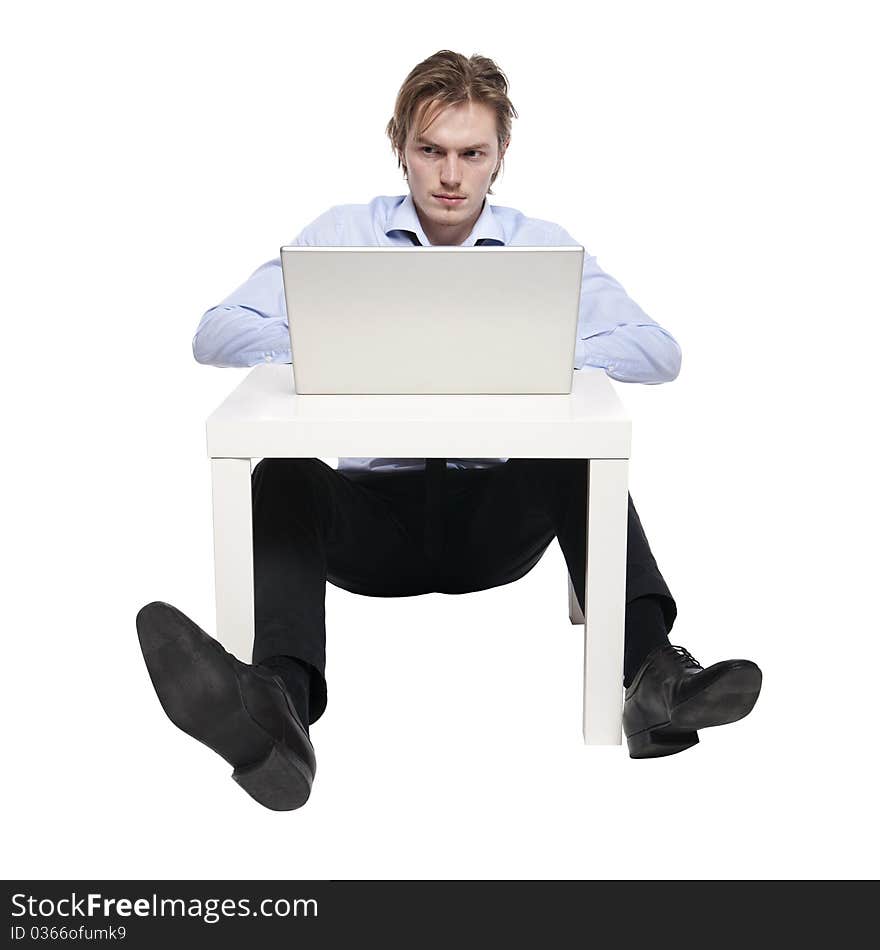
(430, 150)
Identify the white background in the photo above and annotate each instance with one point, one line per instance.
(720, 160)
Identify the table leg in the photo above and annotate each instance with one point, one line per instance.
(605, 600)
(575, 614)
(233, 555)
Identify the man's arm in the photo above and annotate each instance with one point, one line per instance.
(250, 325)
(616, 335)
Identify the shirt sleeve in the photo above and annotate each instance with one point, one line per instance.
(250, 325)
(616, 335)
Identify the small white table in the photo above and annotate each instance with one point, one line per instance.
(264, 418)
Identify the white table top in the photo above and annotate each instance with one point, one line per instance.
(264, 418)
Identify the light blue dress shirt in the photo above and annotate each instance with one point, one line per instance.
(613, 333)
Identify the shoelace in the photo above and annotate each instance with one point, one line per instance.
(686, 657)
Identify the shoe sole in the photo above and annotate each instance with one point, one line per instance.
(729, 698)
(192, 675)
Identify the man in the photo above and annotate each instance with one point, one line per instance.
(396, 527)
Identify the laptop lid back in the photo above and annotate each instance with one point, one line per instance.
(432, 319)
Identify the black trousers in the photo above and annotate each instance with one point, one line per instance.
(405, 533)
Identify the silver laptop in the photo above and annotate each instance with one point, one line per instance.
(432, 319)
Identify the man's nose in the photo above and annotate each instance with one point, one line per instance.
(450, 172)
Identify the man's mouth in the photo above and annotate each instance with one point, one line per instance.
(449, 199)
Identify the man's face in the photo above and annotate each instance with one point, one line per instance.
(456, 155)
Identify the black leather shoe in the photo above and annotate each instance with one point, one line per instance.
(672, 696)
(242, 712)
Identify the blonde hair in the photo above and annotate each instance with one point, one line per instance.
(446, 79)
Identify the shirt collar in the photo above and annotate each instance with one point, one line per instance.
(404, 217)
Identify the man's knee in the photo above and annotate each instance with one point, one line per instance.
(294, 481)
(552, 476)
(289, 470)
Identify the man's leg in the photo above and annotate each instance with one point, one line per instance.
(313, 524)
(310, 524)
(501, 521)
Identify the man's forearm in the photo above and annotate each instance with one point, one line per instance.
(632, 354)
(239, 336)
